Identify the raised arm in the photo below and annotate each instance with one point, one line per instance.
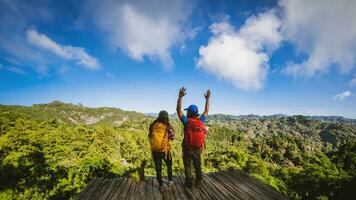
(182, 93)
(207, 97)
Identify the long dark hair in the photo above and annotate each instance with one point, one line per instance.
(163, 117)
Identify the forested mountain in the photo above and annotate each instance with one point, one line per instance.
(336, 119)
(225, 117)
(70, 113)
(51, 151)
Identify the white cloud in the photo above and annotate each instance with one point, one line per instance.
(67, 52)
(16, 70)
(353, 81)
(15, 17)
(141, 28)
(343, 95)
(324, 30)
(13, 69)
(241, 56)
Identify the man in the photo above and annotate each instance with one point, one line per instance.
(194, 137)
(160, 134)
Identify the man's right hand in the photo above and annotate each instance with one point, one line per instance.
(207, 94)
(182, 92)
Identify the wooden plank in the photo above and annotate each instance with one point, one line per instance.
(86, 189)
(148, 188)
(98, 189)
(255, 191)
(167, 193)
(151, 191)
(256, 181)
(231, 184)
(116, 189)
(92, 189)
(220, 192)
(154, 189)
(140, 191)
(134, 192)
(187, 191)
(131, 192)
(263, 185)
(125, 189)
(180, 186)
(200, 194)
(170, 190)
(119, 188)
(179, 192)
(156, 193)
(236, 187)
(205, 192)
(257, 184)
(216, 188)
(197, 193)
(241, 190)
(103, 188)
(109, 190)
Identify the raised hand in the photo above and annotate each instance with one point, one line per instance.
(207, 94)
(182, 92)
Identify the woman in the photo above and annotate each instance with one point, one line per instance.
(160, 133)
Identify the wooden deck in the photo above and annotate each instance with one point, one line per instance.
(231, 184)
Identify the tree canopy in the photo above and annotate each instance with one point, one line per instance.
(51, 151)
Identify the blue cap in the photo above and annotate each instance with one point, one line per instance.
(192, 109)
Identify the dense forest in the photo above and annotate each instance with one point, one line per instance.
(51, 151)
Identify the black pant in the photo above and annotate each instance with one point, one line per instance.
(158, 157)
(189, 157)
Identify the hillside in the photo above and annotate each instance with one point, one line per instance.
(70, 113)
(51, 151)
(335, 119)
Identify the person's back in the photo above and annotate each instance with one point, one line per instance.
(160, 132)
(194, 137)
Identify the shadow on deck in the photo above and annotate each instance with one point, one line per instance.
(231, 184)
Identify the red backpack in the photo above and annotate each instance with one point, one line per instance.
(195, 133)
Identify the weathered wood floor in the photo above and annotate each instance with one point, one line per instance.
(231, 184)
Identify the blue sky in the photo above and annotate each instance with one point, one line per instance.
(260, 57)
